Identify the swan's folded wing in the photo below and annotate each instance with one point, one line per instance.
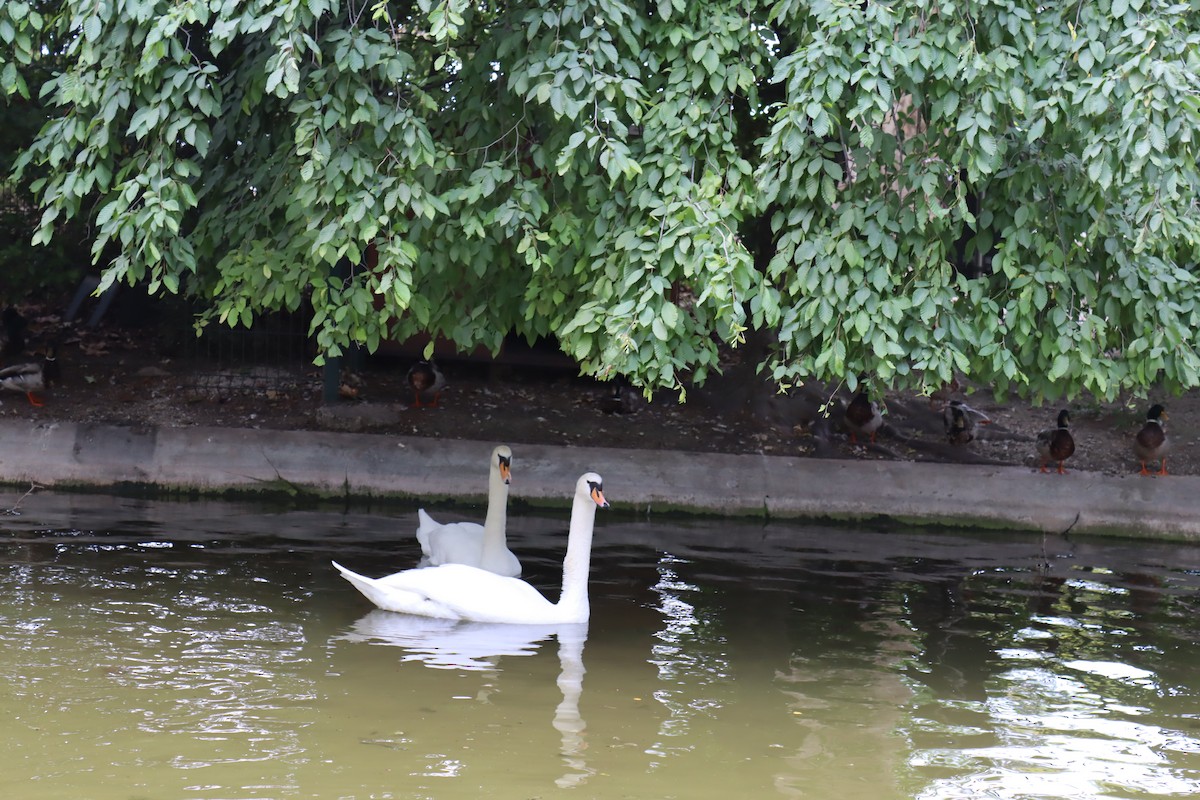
(463, 543)
(456, 543)
(391, 597)
(475, 594)
(506, 564)
(426, 525)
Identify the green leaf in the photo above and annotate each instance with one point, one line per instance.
(1158, 138)
(670, 315)
(1062, 363)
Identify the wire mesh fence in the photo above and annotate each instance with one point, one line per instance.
(275, 355)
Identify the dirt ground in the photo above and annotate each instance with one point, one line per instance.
(116, 376)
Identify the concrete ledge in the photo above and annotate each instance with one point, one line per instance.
(213, 460)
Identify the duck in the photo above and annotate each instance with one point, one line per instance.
(470, 543)
(1150, 443)
(459, 591)
(426, 381)
(960, 421)
(863, 417)
(31, 377)
(940, 396)
(14, 333)
(623, 399)
(1057, 443)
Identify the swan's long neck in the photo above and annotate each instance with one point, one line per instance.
(495, 524)
(573, 603)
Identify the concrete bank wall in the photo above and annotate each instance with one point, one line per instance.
(215, 460)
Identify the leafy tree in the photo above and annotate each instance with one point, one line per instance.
(905, 189)
(27, 270)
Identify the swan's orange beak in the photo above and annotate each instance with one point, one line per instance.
(598, 496)
(505, 470)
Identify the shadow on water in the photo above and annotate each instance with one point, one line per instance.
(208, 650)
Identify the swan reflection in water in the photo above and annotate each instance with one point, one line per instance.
(478, 646)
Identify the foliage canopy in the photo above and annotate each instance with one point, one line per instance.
(1006, 189)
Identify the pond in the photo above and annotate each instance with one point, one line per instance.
(208, 650)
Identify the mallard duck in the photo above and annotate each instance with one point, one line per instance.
(483, 546)
(863, 417)
(940, 396)
(624, 399)
(426, 381)
(456, 591)
(30, 378)
(1151, 443)
(1056, 444)
(960, 421)
(14, 333)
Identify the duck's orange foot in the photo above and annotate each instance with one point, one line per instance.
(1061, 471)
(34, 400)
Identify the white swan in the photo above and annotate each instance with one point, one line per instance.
(483, 546)
(456, 591)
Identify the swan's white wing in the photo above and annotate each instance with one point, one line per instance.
(508, 564)
(426, 525)
(395, 598)
(462, 543)
(476, 594)
(456, 543)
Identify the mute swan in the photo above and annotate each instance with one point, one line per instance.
(483, 546)
(456, 591)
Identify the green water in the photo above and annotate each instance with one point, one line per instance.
(209, 651)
